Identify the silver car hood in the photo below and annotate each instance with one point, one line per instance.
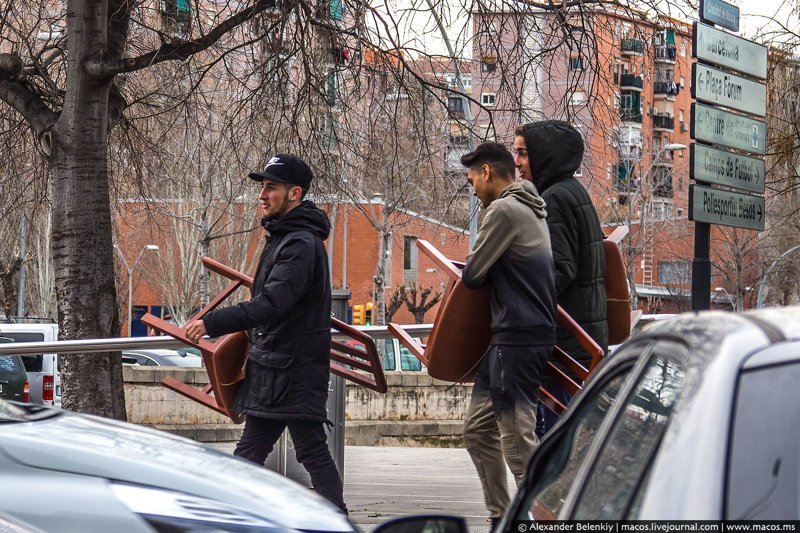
(99, 447)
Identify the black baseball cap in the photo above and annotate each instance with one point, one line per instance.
(285, 168)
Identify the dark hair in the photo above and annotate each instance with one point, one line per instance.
(494, 154)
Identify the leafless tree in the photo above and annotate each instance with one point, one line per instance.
(418, 302)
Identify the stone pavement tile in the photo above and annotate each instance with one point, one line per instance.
(382, 483)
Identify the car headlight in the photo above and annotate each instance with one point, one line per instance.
(176, 512)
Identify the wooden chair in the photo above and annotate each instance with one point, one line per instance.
(225, 359)
(461, 334)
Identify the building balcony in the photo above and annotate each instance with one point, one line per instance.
(662, 184)
(630, 115)
(663, 123)
(666, 89)
(630, 82)
(665, 54)
(632, 46)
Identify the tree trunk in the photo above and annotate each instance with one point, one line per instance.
(82, 247)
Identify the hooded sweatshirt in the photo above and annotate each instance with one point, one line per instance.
(555, 151)
(512, 243)
(288, 320)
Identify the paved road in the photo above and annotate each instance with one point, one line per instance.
(381, 483)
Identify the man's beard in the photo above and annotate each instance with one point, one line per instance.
(282, 211)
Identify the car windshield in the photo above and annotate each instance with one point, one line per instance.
(14, 412)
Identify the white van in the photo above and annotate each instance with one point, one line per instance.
(42, 369)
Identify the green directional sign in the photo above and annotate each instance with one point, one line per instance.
(716, 126)
(711, 165)
(716, 206)
(721, 13)
(723, 88)
(727, 50)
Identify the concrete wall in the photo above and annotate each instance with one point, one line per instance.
(416, 410)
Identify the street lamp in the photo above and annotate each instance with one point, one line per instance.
(130, 279)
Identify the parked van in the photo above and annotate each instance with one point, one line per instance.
(13, 380)
(43, 378)
(394, 356)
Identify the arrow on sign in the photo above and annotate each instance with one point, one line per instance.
(760, 213)
(758, 174)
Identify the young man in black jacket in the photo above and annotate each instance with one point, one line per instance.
(512, 243)
(288, 320)
(548, 153)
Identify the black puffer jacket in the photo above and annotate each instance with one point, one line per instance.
(555, 151)
(288, 320)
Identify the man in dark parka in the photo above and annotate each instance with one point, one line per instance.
(548, 153)
(288, 320)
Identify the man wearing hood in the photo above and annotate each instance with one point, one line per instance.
(288, 320)
(512, 243)
(548, 153)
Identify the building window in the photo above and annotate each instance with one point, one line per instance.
(488, 63)
(176, 15)
(674, 272)
(576, 63)
(577, 98)
(332, 89)
(409, 259)
(336, 9)
(455, 106)
(488, 99)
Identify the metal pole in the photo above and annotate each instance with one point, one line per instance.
(21, 279)
(164, 341)
(130, 302)
(701, 267)
(761, 292)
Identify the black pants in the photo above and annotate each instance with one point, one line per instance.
(311, 448)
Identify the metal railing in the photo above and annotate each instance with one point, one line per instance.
(163, 341)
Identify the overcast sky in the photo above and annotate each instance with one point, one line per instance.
(760, 19)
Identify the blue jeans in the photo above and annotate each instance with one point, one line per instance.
(546, 418)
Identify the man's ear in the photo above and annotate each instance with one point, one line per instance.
(486, 171)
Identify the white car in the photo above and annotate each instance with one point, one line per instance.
(60, 471)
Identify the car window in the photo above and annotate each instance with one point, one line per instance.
(129, 360)
(764, 463)
(9, 364)
(568, 455)
(33, 363)
(388, 355)
(408, 361)
(624, 459)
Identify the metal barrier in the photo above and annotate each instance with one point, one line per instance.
(163, 341)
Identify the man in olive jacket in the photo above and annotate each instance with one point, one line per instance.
(512, 243)
(288, 320)
(548, 153)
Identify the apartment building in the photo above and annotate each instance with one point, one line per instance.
(623, 81)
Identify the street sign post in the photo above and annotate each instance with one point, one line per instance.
(718, 87)
(726, 50)
(711, 165)
(716, 126)
(721, 13)
(717, 206)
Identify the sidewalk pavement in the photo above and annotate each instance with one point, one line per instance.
(381, 483)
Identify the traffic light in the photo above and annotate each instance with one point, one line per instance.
(368, 314)
(358, 315)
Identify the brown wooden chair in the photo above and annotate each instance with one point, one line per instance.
(225, 359)
(461, 334)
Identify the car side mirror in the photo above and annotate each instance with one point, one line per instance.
(424, 524)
